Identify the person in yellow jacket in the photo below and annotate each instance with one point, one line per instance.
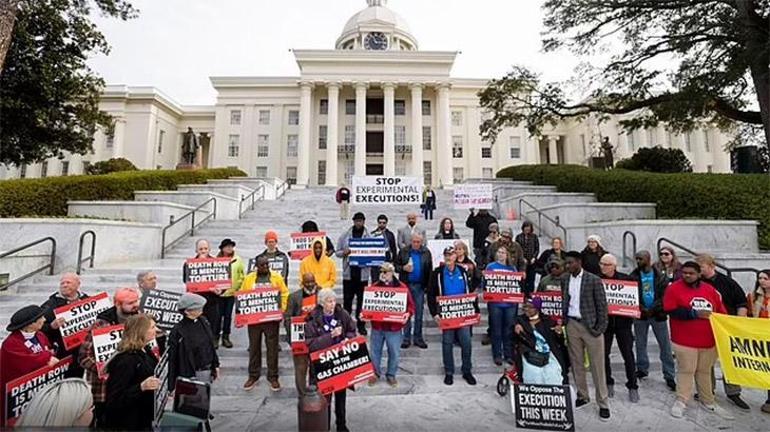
(323, 268)
(227, 249)
(263, 275)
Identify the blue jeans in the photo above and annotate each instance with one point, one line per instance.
(392, 339)
(501, 324)
(463, 334)
(660, 328)
(418, 294)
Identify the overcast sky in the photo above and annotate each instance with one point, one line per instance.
(175, 45)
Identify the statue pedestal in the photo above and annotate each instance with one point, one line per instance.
(188, 167)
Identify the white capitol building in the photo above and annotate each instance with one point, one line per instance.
(375, 104)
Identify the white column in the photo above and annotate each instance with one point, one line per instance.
(444, 136)
(553, 150)
(417, 146)
(118, 139)
(305, 121)
(332, 137)
(389, 90)
(360, 156)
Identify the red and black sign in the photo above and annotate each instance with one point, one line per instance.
(297, 334)
(622, 298)
(551, 304)
(79, 317)
(207, 274)
(258, 306)
(341, 366)
(308, 304)
(457, 311)
(385, 304)
(502, 286)
(19, 392)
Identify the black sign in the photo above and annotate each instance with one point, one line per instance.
(342, 365)
(276, 264)
(543, 407)
(162, 306)
(161, 394)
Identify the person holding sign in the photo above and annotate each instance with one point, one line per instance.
(265, 278)
(146, 281)
(191, 352)
(584, 307)
(449, 279)
(389, 332)
(327, 325)
(131, 384)
(227, 250)
(502, 314)
(354, 278)
(25, 350)
(552, 281)
(212, 308)
(279, 261)
(540, 347)
(69, 292)
(301, 303)
(690, 303)
(320, 265)
(480, 224)
(414, 265)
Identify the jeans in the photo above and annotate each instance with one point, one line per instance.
(447, 344)
(620, 328)
(353, 289)
(226, 311)
(427, 213)
(660, 328)
(418, 294)
(392, 339)
(501, 323)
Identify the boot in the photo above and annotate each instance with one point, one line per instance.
(226, 341)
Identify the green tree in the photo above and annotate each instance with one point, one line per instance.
(679, 61)
(49, 98)
(657, 159)
(111, 166)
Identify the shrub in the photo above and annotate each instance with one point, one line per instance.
(657, 159)
(49, 196)
(708, 196)
(111, 166)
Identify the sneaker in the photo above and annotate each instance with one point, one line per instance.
(486, 340)
(469, 379)
(275, 385)
(421, 344)
(449, 380)
(373, 381)
(406, 344)
(226, 341)
(250, 383)
(671, 384)
(641, 374)
(718, 410)
(392, 381)
(498, 361)
(740, 403)
(633, 395)
(604, 414)
(611, 391)
(579, 403)
(677, 410)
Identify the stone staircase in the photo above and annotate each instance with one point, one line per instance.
(421, 401)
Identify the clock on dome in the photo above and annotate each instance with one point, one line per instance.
(376, 41)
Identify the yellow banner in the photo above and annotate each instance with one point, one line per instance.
(744, 349)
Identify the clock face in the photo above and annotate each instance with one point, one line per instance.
(376, 41)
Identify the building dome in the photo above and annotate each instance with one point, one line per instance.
(377, 28)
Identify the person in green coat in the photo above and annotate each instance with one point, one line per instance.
(237, 268)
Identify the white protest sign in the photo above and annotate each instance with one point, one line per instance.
(474, 195)
(374, 190)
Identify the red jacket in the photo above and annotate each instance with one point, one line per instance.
(16, 360)
(681, 302)
(410, 309)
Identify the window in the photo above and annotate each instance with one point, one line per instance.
(515, 142)
(400, 107)
(669, 139)
(291, 175)
(322, 134)
(457, 118)
(65, 168)
(293, 118)
(161, 136)
(457, 146)
(426, 107)
(427, 172)
(233, 145)
(350, 107)
(709, 169)
(44, 169)
(583, 144)
(292, 143)
(350, 135)
(400, 135)
(23, 171)
(400, 168)
(630, 136)
(706, 143)
(486, 173)
(486, 152)
(321, 172)
(264, 117)
(426, 138)
(324, 107)
(109, 140)
(86, 166)
(158, 167)
(457, 174)
(235, 117)
(261, 171)
(263, 145)
(687, 142)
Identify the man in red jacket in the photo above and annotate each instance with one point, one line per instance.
(690, 302)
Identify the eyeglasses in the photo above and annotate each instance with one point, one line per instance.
(664, 253)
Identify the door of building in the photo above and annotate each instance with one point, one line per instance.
(375, 169)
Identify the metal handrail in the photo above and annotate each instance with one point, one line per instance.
(190, 214)
(728, 270)
(89, 258)
(280, 191)
(633, 247)
(49, 266)
(253, 198)
(540, 216)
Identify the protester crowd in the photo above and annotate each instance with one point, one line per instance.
(675, 300)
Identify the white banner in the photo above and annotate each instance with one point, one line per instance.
(374, 190)
(474, 195)
(436, 248)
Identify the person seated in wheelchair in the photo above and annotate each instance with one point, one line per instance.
(539, 347)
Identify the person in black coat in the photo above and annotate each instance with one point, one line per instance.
(69, 292)
(524, 336)
(191, 352)
(131, 383)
